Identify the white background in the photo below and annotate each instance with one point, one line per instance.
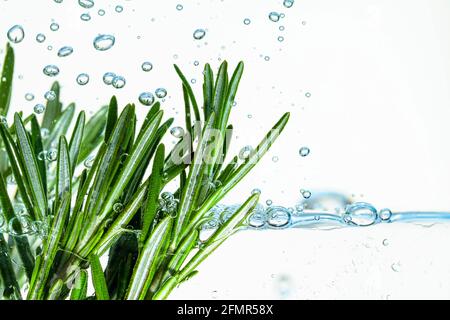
(377, 123)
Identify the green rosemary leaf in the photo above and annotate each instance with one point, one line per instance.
(60, 126)
(112, 118)
(98, 278)
(63, 172)
(190, 92)
(36, 140)
(12, 288)
(147, 262)
(80, 287)
(93, 133)
(208, 90)
(231, 95)
(53, 109)
(154, 189)
(7, 78)
(76, 139)
(31, 169)
(220, 91)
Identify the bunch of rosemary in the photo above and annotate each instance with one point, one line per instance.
(63, 216)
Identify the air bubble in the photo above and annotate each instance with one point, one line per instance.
(304, 151)
(117, 207)
(54, 26)
(288, 3)
(361, 214)
(39, 108)
(29, 96)
(119, 82)
(247, 21)
(65, 51)
(245, 152)
(146, 98)
(161, 93)
(179, 7)
(104, 42)
(278, 217)
(16, 34)
(146, 66)
(385, 214)
(119, 9)
(274, 16)
(87, 4)
(199, 34)
(85, 16)
(40, 37)
(50, 95)
(82, 79)
(177, 132)
(108, 78)
(51, 70)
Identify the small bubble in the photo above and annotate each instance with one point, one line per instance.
(146, 98)
(87, 4)
(54, 26)
(199, 34)
(51, 70)
(179, 7)
(50, 95)
(304, 151)
(65, 51)
(29, 96)
(308, 94)
(146, 66)
(177, 132)
(256, 191)
(119, 9)
(50, 48)
(118, 207)
(385, 214)
(269, 202)
(42, 155)
(288, 3)
(280, 38)
(39, 108)
(3, 120)
(385, 242)
(89, 161)
(16, 34)
(58, 1)
(305, 194)
(161, 93)
(45, 133)
(108, 78)
(245, 152)
(104, 42)
(247, 21)
(119, 82)
(101, 12)
(274, 16)
(52, 155)
(304, 23)
(40, 37)
(281, 28)
(275, 159)
(196, 63)
(82, 79)
(267, 58)
(396, 267)
(85, 16)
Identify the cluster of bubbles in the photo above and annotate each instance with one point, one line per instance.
(22, 224)
(147, 98)
(117, 81)
(168, 204)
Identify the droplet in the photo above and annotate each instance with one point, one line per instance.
(288, 3)
(65, 51)
(16, 34)
(118, 207)
(104, 42)
(119, 9)
(89, 161)
(256, 191)
(274, 16)
(40, 37)
(308, 94)
(304, 151)
(385, 214)
(51, 70)
(50, 95)
(108, 78)
(39, 108)
(199, 34)
(146, 66)
(161, 93)
(101, 12)
(179, 7)
(177, 132)
(146, 98)
(87, 4)
(247, 21)
(361, 214)
(52, 154)
(306, 194)
(85, 16)
(119, 82)
(396, 267)
(245, 152)
(278, 216)
(29, 96)
(82, 79)
(54, 26)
